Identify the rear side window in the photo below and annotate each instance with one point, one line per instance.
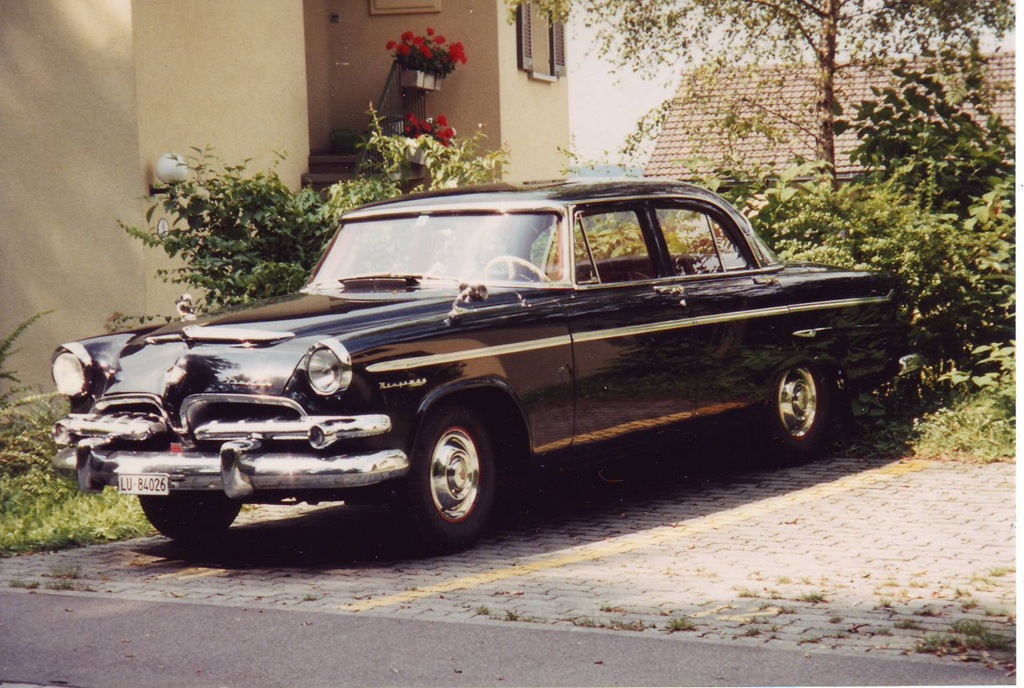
(610, 248)
(697, 243)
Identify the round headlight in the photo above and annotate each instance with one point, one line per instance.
(329, 368)
(69, 374)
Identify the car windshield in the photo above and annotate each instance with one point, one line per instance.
(441, 250)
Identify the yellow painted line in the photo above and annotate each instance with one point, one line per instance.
(191, 573)
(629, 543)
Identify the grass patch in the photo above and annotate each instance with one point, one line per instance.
(27, 585)
(680, 624)
(40, 511)
(65, 584)
(908, 625)
(963, 636)
(813, 597)
(975, 427)
(482, 611)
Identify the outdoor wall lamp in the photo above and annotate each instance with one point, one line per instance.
(170, 169)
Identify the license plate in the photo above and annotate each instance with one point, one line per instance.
(144, 483)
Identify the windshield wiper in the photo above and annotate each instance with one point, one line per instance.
(407, 280)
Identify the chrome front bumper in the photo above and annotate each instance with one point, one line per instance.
(239, 469)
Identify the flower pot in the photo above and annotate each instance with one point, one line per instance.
(416, 155)
(421, 80)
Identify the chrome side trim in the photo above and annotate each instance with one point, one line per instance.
(812, 333)
(239, 335)
(741, 315)
(841, 303)
(633, 330)
(467, 354)
(615, 332)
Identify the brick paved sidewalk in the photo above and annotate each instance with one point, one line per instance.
(839, 555)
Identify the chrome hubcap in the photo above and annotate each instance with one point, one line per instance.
(798, 402)
(454, 475)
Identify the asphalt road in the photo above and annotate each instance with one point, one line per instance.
(837, 572)
(83, 640)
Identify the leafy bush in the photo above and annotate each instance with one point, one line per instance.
(240, 237)
(245, 237)
(38, 509)
(949, 293)
(937, 209)
(935, 133)
(6, 351)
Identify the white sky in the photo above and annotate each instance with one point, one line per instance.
(604, 107)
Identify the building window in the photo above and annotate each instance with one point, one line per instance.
(540, 42)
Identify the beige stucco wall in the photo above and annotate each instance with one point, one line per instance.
(534, 115)
(92, 92)
(348, 64)
(69, 171)
(229, 74)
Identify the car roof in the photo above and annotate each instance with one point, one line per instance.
(539, 195)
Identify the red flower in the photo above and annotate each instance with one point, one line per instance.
(442, 120)
(430, 31)
(440, 40)
(427, 52)
(402, 50)
(391, 45)
(418, 40)
(408, 36)
(458, 53)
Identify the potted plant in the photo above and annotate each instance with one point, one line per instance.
(426, 60)
(416, 130)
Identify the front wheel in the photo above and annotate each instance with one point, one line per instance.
(447, 498)
(191, 517)
(799, 414)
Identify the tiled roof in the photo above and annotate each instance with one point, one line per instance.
(774, 107)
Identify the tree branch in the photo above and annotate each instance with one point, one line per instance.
(793, 17)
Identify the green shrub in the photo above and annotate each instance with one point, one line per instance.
(40, 510)
(934, 132)
(240, 237)
(6, 351)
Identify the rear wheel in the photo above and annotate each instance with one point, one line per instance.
(191, 516)
(799, 414)
(447, 498)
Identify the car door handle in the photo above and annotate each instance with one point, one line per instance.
(770, 281)
(673, 290)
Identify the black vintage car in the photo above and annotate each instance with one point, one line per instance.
(449, 340)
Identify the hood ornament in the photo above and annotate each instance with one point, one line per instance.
(468, 293)
(186, 308)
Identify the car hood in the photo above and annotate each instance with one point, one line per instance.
(256, 350)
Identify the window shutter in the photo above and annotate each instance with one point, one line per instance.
(524, 36)
(557, 42)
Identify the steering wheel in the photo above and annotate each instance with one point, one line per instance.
(512, 262)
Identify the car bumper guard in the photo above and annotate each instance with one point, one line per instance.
(239, 469)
